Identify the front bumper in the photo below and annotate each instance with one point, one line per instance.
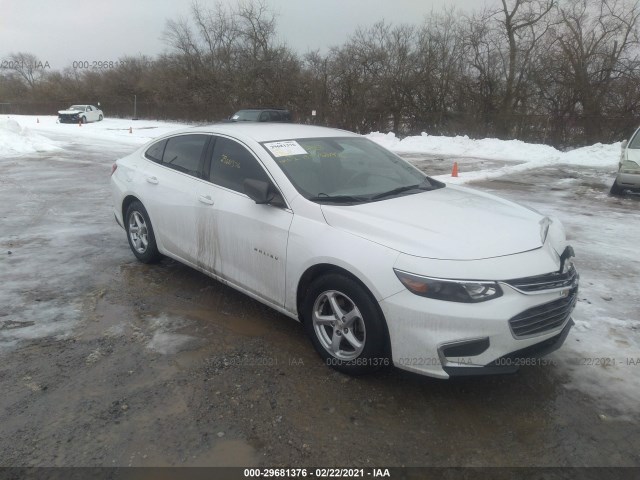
(628, 181)
(511, 362)
(444, 339)
(75, 118)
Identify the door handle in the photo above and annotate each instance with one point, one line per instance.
(152, 180)
(206, 199)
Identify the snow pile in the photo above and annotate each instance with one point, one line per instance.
(506, 150)
(120, 130)
(18, 140)
(597, 155)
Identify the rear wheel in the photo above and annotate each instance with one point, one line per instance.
(140, 234)
(345, 325)
(100, 118)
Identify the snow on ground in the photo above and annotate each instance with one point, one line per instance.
(115, 129)
(16, 130)
(597, 155)
(529, 156)
(16, 139)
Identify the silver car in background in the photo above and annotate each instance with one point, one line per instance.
(629, 167)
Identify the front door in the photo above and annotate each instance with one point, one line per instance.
(252, 238)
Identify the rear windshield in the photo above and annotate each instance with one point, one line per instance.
(246, 115)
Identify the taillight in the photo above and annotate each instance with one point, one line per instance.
(114, 167)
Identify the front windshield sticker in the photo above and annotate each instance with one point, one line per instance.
(235, 117)
(286, 148)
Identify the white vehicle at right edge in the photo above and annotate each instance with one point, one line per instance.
(381, 263)
(628, 178)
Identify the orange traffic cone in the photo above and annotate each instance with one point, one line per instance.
(130, 130)
(454, 172)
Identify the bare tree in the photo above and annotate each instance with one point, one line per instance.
(27, 67)
(596, 46)
(523, 24)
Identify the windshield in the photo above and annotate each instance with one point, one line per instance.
(246, 116)
(346, 170)
(77, 107)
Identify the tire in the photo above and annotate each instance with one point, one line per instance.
(615, 189)
(100, 118)
(361, 338)
(83, 120)
(140, 234)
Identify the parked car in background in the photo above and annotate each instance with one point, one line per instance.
(381, 263)
(628, 177)
(80, 114)
(262, 115)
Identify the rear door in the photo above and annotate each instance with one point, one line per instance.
(169, 181)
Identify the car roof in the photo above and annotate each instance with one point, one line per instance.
(262, 132)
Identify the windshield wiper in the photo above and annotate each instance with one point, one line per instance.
(323, 197)
(422, 186)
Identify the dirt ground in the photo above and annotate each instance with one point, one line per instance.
(108, 362)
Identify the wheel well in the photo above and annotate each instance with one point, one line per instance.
(128, 200)
(322, 269)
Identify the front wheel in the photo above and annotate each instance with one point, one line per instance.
(100, 118)
(83, 120)
(140, 234)
(615, 189)
(345, 325)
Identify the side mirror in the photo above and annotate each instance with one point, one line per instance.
(624, 144)
(262, 193)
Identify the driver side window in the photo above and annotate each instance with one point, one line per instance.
(232, 163)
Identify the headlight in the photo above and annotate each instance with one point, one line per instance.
(449, 290)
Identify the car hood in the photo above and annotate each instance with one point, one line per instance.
(452, 223)
(67, 112)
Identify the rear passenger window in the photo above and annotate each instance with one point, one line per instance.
(184, 152)
(232, 163)
(155, 151)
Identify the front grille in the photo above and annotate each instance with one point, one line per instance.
(546, 282)
(543, 318)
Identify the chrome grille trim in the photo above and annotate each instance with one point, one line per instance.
(544, 318)
(549, 281)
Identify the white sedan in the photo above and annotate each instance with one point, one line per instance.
(381, 263)
(80, 114)
(628, 177)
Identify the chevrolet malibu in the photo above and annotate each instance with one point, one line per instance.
(381, 263)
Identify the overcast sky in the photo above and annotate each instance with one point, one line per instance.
(63, 31)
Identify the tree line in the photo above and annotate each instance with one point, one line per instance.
(563, 72)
